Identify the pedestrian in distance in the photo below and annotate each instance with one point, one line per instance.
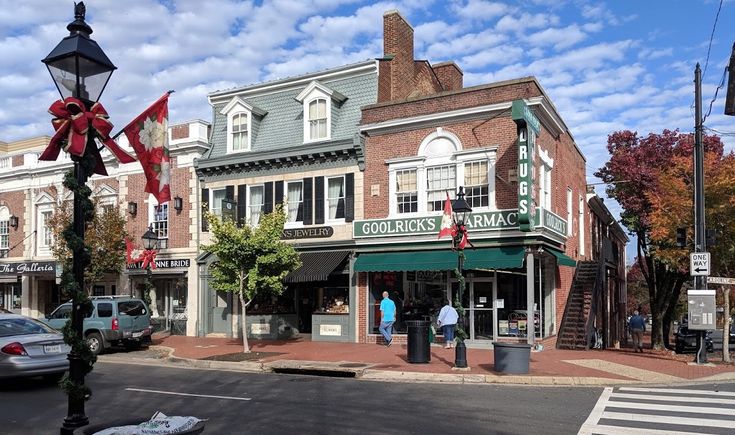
(387, 318)
(448, 322)
(637, 327)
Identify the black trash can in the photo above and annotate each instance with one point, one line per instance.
(511, 357)
(418, 341)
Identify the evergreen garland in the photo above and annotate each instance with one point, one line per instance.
(69, 286)
(461, 334)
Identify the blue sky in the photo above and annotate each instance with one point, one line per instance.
(607, 66)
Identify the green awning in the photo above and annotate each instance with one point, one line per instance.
(562, 258)
(486, 258)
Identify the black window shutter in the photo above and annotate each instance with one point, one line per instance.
(230, 192)
(319, 200)
(279, 192)
(268, 200)
(308, 194)
(242, 204)
(205, 207)
(349, 197)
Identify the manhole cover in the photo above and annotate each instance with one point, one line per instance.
(353, 365)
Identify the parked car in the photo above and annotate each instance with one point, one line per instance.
(686, 340)
(115, 320)
(31, 348)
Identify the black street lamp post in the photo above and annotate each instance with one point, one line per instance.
(150, 243)
(460, 212)
(80, 69)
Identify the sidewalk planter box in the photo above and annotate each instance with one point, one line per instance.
(330, 327)
(271, 326)
(511, 357)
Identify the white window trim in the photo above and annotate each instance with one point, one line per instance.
(326, 199)
(570, 208)
(581, 226)
(152, 204)
(234, 107)
(297, 224)
(211, 199)
(545, 188)
(44, 203)
(249, 202)
(307, 127)
(5, 217)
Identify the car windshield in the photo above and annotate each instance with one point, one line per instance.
(22, 326)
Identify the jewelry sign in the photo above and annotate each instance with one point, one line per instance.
(528, 128)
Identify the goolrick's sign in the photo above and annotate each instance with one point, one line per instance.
(28, 268)
(552, 222)
(492, 220)
(528, 127)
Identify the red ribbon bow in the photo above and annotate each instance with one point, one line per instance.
(72, 124)
(149, 257)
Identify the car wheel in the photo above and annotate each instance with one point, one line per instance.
(53, 378)
(95, 343)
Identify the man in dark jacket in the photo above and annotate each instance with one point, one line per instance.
(637, 327)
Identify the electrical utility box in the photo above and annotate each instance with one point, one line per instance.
(701, 304)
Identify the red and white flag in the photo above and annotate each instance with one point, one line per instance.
(148, 135)
(447, 223)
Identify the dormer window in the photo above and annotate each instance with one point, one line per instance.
(318, 101)
(240, 124)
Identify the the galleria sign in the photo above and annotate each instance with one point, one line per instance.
(28, 268)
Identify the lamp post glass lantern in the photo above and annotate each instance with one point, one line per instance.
(150, 239)
(460, 213)
(79, 69)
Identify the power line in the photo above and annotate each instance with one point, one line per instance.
(722, 83)
(721, 133)
(711, 37)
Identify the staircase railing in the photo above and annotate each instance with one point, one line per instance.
(565, 319)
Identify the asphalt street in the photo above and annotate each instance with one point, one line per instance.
(235, 403)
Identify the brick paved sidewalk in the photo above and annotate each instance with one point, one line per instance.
(650, 366)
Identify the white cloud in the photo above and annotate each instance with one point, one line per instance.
(559, 38)
(480, 9)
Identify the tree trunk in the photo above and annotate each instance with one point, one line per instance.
(244, 324)
(656, 329)
(726, 328)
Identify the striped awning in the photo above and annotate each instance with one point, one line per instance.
(317, 266)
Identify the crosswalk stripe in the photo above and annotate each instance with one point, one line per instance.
(674, 398)
(597, 411)
(678, 390)
(672, 408)
(651, 418)
(618, 430)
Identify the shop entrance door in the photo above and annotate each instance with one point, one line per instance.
(481, 310)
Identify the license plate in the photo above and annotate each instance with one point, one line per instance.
(54, 348)
(137, 334)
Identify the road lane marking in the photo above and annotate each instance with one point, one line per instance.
(173, 393)
(618, 430)
(624, 370)
(677, 390)
(667, 419)
(674, 398)
(597, 411)
(672, 408)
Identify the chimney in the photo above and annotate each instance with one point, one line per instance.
(449, 75)
(398, 58)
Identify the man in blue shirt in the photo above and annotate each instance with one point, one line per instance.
(387, 317)
(637, 326)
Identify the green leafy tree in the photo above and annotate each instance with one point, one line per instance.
(250, 261)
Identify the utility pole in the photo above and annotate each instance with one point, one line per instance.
(700, 282)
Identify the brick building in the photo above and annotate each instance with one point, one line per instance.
(31, 189)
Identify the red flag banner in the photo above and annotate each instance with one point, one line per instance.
(447, 224)
(148, 135)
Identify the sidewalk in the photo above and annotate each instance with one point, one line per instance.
(374, 361)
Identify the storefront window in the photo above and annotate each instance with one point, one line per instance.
(418, 295)
(392, 282)
(273, 304)
(17, 297)
(334, 301)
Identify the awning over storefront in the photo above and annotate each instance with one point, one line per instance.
(562, 258)
(486, 258)
(316, 266)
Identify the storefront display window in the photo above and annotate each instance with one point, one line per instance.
(273, 304)
(334, 301)
(392, 282)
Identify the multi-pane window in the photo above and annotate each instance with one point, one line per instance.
(440, 180)
(569, 211)
(47, 234)
(545, 186)
(257, 204)
(240, 132)
(295, 199)
(336, 197)
(318, 119)
(160, 224)
(407, 195)
(4, 235)
(476, 185)
(4, 162)
(216, 206)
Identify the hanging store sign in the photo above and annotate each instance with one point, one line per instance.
(552, 222)
(164, 264)
(28, 268)
(491, 220)
(307, 233)
(528, 127)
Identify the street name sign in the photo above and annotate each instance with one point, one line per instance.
(720, 280)
(699, 263)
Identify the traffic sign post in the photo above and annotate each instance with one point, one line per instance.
(702, 313)
(699, 263)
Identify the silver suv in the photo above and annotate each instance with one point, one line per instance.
(115, 320)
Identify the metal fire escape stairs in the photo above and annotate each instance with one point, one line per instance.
(577, 326)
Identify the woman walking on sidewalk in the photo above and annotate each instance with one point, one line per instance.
(448, 321)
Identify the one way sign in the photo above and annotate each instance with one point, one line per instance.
(699, 263)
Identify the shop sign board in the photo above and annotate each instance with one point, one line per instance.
(528, 127)
(699, 263)
(307, 233)
(260, 328)
(28, 268)
(491, 220)
(552, 222)
(701, 309)
(720, 280)
(170, 263)
(332, 330)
